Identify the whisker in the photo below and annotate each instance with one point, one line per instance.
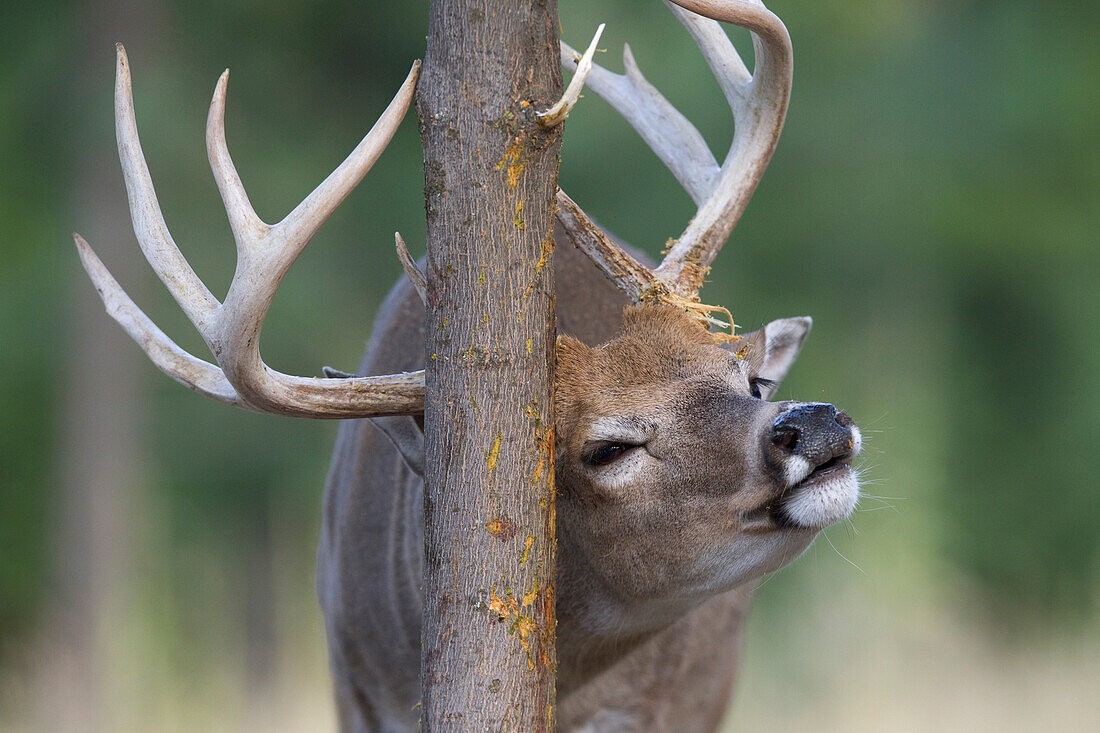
(877, 420)
(838, 552)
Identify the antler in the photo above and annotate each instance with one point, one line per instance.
(759, 105)
(265, 253)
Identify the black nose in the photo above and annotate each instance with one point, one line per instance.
(816, 431)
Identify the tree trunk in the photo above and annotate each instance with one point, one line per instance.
(488, 656)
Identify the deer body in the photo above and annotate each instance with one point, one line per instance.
(654, 576)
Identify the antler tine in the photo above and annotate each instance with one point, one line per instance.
(759, 106)
(301, 224)
(264, 261)
(725, 63)
(631, 276)
(408, 264)
(667, 132)
(196, 374)
(264, 254)
(758, 102)
(243, 220)
(196, 301)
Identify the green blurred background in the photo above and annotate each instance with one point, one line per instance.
(932, 204)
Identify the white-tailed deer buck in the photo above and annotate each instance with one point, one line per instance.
(679, 484)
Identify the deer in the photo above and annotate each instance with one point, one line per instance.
(680, 484)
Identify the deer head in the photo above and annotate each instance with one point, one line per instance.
(678, 479)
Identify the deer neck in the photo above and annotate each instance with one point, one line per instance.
(596, 626)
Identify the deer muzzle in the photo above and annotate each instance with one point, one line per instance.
(815, 442)
(816, 432)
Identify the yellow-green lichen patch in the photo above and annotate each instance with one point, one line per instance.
(502, 607)
(518, 218)
(507, 608)
(525, 555)
(544, 257)
(524, 627)
(536, 477)
(530, 596)
(545, 443)
(513, 158)
(494, 452)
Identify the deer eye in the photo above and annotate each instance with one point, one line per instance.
(757, 384)
(607, 453)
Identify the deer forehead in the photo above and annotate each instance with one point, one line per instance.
(654, 366)
(658, 345)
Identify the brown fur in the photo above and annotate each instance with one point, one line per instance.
(658, 345)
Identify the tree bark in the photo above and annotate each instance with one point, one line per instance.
(488, 658)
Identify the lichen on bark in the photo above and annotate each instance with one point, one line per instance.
(490, 179)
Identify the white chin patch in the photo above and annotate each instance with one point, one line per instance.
(824, 500)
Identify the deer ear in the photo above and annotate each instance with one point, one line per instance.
(407, 437)
(772, 350)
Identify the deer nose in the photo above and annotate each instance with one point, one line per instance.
(816, 431)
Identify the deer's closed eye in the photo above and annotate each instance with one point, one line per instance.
(607, 453)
